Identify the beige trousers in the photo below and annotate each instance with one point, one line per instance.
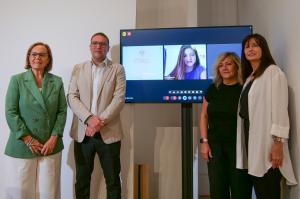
(35, 178)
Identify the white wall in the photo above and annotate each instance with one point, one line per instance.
(66, 26)
(278, 21)
(217, 12)
(166, 13)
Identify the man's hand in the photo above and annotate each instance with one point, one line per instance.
(95, 123)
(89, 131)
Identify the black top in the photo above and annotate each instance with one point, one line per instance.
(244, 110)
(222, 112)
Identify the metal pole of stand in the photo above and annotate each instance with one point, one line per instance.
(187, 150)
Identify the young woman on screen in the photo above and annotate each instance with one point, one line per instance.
(218, 131)
(263, 120)
(188, 65)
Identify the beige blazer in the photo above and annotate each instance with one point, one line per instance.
(268, 115)
(111, 98)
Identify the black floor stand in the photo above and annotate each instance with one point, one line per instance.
(187, 150)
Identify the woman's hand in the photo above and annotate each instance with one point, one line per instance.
(49, 145)
(205, 151)
(34, 145)
(276, 155)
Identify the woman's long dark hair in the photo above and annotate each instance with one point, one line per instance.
(180, 68)
(266, 57)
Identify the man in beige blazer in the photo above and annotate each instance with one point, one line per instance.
(96, 96)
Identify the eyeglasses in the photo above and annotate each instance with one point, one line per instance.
(101, 44)
(42, 55)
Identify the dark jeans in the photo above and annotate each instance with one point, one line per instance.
(109, 155)
(225, 180)
(268, 186)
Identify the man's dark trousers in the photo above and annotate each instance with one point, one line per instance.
(109, 155)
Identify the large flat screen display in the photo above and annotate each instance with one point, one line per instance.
(174, 65)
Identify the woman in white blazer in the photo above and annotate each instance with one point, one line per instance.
(263, 121)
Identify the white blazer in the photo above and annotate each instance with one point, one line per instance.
(268, 115)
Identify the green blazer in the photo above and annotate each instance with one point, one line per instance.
(30, 111)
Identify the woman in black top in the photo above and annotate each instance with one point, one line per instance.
(218, 131)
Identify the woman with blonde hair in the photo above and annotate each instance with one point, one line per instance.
(218, 131)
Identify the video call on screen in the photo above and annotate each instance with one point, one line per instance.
(150, 57)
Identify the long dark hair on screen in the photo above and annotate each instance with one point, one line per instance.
(180, 68)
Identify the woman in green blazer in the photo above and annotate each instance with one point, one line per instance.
(36, 112)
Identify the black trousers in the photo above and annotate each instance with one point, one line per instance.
(109, 155)
(268, 186)
(226, 181)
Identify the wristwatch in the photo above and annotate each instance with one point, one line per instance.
(203, 140)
